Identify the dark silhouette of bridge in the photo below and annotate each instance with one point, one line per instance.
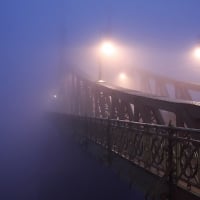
(148, 128)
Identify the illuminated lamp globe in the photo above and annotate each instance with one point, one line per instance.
(197, 53)
(108, 48)
(122, 76)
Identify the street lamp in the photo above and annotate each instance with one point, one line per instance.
(123, 80)
(197, 52)
(122, 76)
(107, 49)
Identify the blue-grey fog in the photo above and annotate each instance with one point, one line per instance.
(29, 59)
(40, 41)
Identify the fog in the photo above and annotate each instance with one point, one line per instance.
(41, 39)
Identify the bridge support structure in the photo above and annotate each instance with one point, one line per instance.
(86, 98)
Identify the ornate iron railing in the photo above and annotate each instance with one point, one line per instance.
(166, 151)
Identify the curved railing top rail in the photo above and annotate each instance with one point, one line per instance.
(164, 127)
(145, 95)
(111, 86)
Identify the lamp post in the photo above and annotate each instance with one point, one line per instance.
(107, 49)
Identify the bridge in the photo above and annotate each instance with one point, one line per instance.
(147, 128)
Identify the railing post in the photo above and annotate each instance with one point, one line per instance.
(109, 149)
(170, 150)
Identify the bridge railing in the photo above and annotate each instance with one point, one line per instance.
(168, 152)
(83, 97)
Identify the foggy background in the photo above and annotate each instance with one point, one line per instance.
(41, 39)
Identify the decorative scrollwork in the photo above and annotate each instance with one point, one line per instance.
(189, 160)
(158, 149)
(137, 149)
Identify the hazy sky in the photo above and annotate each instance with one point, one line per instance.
(32, 32)
(36, 36)
(162, 33)
(157, 23)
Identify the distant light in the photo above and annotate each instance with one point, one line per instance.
(107, 48)
(122, 76)
(101, 81)
(197, 53)
(55, 96)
